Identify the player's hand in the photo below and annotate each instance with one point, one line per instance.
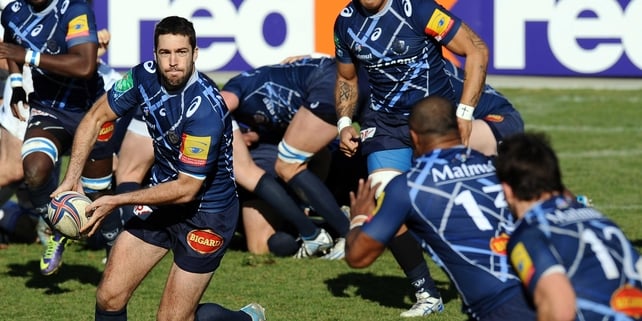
(97, 211)
(465, 128)
(349, 141)
(67, 185)
(103, 41)
(19, 106)
(13, 52)
(363, 202)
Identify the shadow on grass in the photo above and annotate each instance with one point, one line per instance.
(51, 284)
(388, 291)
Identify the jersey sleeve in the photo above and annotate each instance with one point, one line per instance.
(436, 21)
(80, 23)
(393, 208)
(122, 96)
(531, 255)
(341, 50)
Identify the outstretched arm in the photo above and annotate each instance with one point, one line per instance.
(346, 95)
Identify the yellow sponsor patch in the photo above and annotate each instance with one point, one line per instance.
(439, 24)
(78, 27)
(523, 263)
(194, 149)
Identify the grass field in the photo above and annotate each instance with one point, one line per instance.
(599, 141)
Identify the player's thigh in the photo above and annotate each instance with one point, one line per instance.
(482, 138)
(182, 294)
(135, 157)
(129, 262)
(10, 158)
(308, 132)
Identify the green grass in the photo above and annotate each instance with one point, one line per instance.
(596, 134)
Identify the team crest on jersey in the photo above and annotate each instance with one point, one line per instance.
(439, 24)
(523, 263)
(78, 27)
(628, 300)
(194, 149)
(204, 241)
(399, 47)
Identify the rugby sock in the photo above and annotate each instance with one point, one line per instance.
(409, 256)
(269, 190)
(7, 191)
(215, 312)
(39, 196)
(102, 315)
(114, 222)
(311, 189)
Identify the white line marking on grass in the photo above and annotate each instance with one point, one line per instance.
(584, 129)
(601, 153)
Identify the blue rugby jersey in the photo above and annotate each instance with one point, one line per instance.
(269, 96)
(191, 130)
(604, 268)
(453, 204)
(60, 26)
(400, 48)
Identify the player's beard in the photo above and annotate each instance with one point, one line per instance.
(176, 83)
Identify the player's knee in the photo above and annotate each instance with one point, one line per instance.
(37, 168)
(108, 300)
(290, 161)
(94, 185)
(383, 177)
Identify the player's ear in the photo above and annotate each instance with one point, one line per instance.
(195, 55)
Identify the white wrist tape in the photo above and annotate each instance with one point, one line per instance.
(15, 80)
(32, 58)
(465, 112)
(343, 122)
(360, 219)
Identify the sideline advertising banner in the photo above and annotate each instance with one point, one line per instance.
(593, 38)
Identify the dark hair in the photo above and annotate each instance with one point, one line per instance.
(433, 115)
(528, 164)
(176, 26)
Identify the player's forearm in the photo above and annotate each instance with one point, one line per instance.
(172, 192)
(346, 97)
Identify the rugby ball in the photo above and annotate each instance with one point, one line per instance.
(66, 212)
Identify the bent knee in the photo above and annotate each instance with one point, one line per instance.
(288, 170)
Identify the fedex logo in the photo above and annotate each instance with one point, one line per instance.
(232, 34)
(598, 37)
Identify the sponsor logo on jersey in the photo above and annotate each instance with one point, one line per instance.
(628, 300)
(124, 84)
(142, 211)
(78, 27)
(106, 131)
(204, 241)
(439, 24)
(493, 118)
(368, 133)
(498, 244)
(194, 149)
(523, 263)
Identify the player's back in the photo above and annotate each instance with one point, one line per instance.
(459, 211)
(604, 268)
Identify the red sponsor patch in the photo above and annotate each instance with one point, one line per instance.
(204, 241)
(494, 118)
(106, 131)
(498, 244)
(628, 300)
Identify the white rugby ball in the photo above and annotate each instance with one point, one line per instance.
(66, 212)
